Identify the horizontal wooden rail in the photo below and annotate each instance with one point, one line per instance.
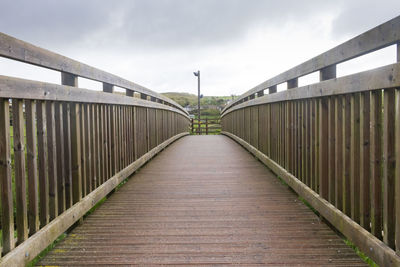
(377, 38)
(337, 144)
(15, 49)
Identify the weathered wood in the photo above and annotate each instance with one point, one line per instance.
(32, 168)
(375, 163)
(51, 159)
(347, 154)
(59, 135)
(67, 154)
(28, 250)
(293, 83)
(27, 89)
(75, 113)
(389, 167)
(360, 82)
(355, 157)
(83, 159)
(323, 148)
(19, 167)
(373, 247)
(365, 202)
(42, 162)
(397, 174)
(339, 152)
(7, 209)
(331, 150)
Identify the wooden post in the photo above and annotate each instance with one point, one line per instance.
(143, 96)
(273, 89)
(129, 92)
(206, 126)
(260, 93)
(293, 83)
(7, 210)
(108, 88)
(397, 154)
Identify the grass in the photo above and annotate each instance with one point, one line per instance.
(47, 250)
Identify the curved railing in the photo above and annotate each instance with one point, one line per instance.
(336, 142)
(64, 148)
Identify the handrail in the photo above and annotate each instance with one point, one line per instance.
(16, 49)
(377, 38)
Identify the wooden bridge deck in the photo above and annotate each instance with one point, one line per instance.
(204, 201)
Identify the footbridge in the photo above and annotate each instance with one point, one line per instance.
(104, 178)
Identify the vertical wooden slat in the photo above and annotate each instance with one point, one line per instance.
(88, 156)
(76, 152)
(67, 154)
(364, 161)
(331, 148)
(323, 148)
(83, 147)
(397, 174)
(19, 167)
(339, 152)
(99, 114)
(52, 159)
(355, 156)
(42, 154)
(347, 155)
(112, 139)
(7, 215)
(60, 157)
(32, 170)
(389, 166)
(375, 167)
(96, 147)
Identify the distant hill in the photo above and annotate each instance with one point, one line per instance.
(186, 99)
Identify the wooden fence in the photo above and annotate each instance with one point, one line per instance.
(205, 126)
(336, 142)
(69, 147)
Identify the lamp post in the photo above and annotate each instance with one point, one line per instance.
(197, 74)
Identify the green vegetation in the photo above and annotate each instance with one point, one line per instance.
(186, 99)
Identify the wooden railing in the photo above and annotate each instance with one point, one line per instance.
(63, 148)
(205, 126)
(336, 142)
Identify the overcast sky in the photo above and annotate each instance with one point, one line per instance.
(236, 44)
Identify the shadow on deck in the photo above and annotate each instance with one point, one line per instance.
(206, 201)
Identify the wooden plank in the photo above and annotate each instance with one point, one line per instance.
(83, 148)
(7, 215)
(67, 154)
(88, 139)
(347, 155)
(389, 167)
(379, 37)
(360, 82)
(59, 135)
(113, 143)
(355, 156)
(95, 144)
(339, 152)
(331, 150)
(19, 167)
(32, 168)
(375, 167)
(365, 205)
(75, 113)
(42, 155)
(52, 159)
(397, 174)
(323, 148)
